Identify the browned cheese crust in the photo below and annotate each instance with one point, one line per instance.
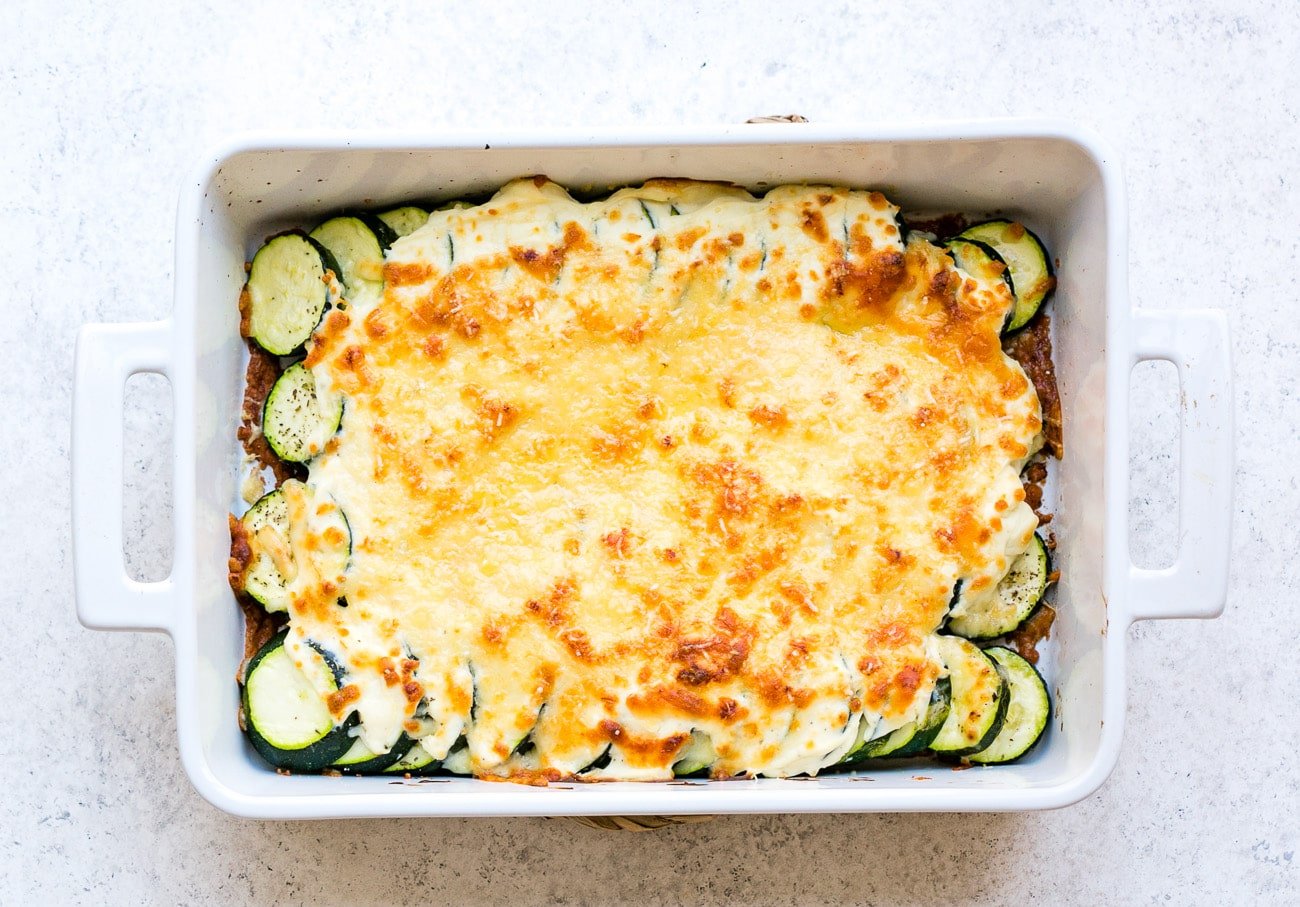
(613, 481)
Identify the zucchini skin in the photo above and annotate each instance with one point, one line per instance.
(379, 763)
(994, 729)
(600, 761)
(311, 758)
(934, 720)
(326, 257)
(856, 754)
(405, 766)
(384, 233)
(314, 758)
(331, 661)
(953, 599)
(954, 247)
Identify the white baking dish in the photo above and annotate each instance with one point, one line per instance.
(1062, 180)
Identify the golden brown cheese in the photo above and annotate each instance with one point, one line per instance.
(680, 460)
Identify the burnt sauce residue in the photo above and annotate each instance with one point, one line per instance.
(1032, 348)
(1034, 478)
(263, 370)
(943, 226)
(1027, 636)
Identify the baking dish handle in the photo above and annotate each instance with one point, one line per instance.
(1196, 584)
(107, 355)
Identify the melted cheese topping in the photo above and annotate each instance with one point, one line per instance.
(679, 461)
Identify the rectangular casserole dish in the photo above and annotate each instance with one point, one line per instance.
(1062, 180)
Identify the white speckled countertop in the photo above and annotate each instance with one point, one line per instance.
(104, 108)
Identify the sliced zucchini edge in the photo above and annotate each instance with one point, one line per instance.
(989, 724)
(1029, 710)
(382, 234)
(954, 248)
(270, 592)
(696, 757)
(376, 763)
(416, 762)
(1030, 295)
(283, 415)
(935, 716)
(988, 622)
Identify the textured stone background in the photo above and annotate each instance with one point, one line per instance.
(103, 106)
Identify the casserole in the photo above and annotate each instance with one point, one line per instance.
(682, 480)
(1062, 179)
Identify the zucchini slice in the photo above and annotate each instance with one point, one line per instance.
(361, 760)
(1032, 280)
(287, 294)
(405, 220)
(1018, 594)
(696, 757)
(916, 735)
(285, 716)
(417, 761)
(298, 419)
(979, 699)
(264, 581)
(267, 523)
(981, 261)
(330, 525)
(1027, 714)
(357, 242)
